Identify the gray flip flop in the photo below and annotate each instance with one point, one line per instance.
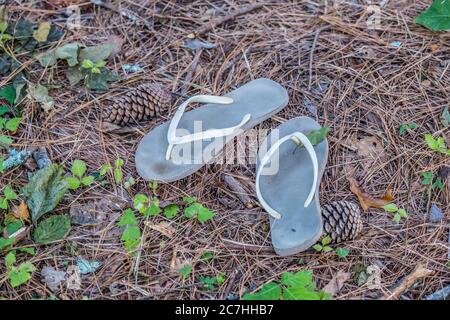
(183, 145)
(289, 191)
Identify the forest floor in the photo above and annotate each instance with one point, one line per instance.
(362, 83)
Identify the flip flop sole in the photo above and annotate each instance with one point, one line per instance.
(261, 98)
(286, 191)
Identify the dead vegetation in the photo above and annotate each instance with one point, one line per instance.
(350, 78)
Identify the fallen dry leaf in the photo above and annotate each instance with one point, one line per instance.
(367, 200)
(335, 285)
(163, 227)
(21, 212)
(369, 147)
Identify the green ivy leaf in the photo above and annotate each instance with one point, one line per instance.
(317, 136)
(185, 271)
(327, 249)
(436, 17)
(391, 207)
(5, 140)
(8, 93)
(397, 218)
(438, 184)
(269, 291)
(21, 275)
(104, 169)
(12, 124)
(87, 180)
(342, 253)
(140, 202)
(78, 168)
(87, 64)
(52, 229)
(326, 240)
(402, 213)
(9, 193)
(317, 247)
(131, 237)
(427, 178)
(128, 218)
(6, 242)
(10, 259)
(445, 117)
(171, 211)
(74, 183)
(118, 175)
(189, 200)
(152, 210)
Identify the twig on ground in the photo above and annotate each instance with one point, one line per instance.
(419, 272)
(311, 54)
(237, 188)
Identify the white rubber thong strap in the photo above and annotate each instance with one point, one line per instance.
(173, 139)
(297, 137)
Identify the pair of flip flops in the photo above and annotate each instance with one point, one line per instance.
(178, 148)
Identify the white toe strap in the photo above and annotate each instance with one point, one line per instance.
(173, 139)
(297, 137)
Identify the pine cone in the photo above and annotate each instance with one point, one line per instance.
(141, 103)
(341, 221)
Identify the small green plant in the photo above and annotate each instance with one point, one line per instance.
(399, 213)
(118, 173)
(4, 37)
(93, 67)
(8, 93)
(342, 253)
(171, 211)
(8, 195)
(437, 144)
(145, 205)
(407, 126)
(323, 246)
(195, 210)
(427, 180)
(18, 275)
(445, 117)
(293, 286)
(185, 271)
(79, 178)
(207, 256)
(210, 283)
(131, 235)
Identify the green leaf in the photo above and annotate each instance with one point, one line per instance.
(436, 17)
(100, 64)
(52, 229)
(5, 140)
(128, 218)
(45, 190)
(95, 70)
(207, 256)
(10, 259)
(3, 26)
(97, 53)
(317, 247)
(391, 207)
(9, 193)
(74, 75)
(3, 203)
(8, 93)
(6, 242)
(12, 124)
(327, 249)
(105, 168)
(21, 275)
(1, 165)
(438, 184)
(131, 237)
(397, 218)
(118, 163)
(74, 183)
(189, 200)
(326, 240)
(42, 32)
(40, 94)
(171, 211)
(87, 180)
(427, 178)
(3, 110)
(185, 271)
(445, 117)
(204, 215)
(152, 210)
(87, 64)
(78, 168)
(269, 291)
(342, 253)
(118, 175)
(405, 127)
(29, 250)
(402, 213)
(68, 52)
(300, 294)
(140, 202)
(317, 136)
(302, 278)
